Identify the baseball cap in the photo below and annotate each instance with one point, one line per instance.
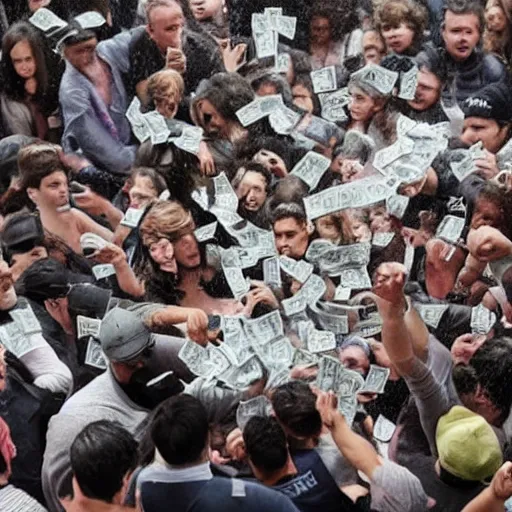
(493, 101)
(21, 233)
(467, 445)
(123, 335)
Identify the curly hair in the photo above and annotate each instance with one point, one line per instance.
(392, 13)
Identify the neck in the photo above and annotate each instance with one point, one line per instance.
(289, 469)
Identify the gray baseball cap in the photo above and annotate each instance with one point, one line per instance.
(123, 335)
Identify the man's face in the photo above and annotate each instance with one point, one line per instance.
(291, 237)
(461, 33)
(253, 190)
(53, 191)
(81, 55)
(205, 9)
(21, 261)
(162, 253)
(320, 31)
(399, 38)
(211, 120)
(488, 131)
(302, 98)
(165, 26)
(141, 192)
(7, 293)
(186, 252)
(428, 90)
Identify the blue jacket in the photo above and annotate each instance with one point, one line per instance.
(82, 107)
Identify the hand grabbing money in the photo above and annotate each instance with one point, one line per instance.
(175, 59)
(112, 254)
(327, 406)
(488, 244)
(487, 165)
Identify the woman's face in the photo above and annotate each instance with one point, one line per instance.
(274, 163)
(362, 106)
(23, 60)
(360, 230)
(398, 39)
(167, 104)
(495, 19)
(211, 120)
(252, 190)
(380, 221)
(328, 229)
(142, 192)
(186, 251)
(302, 98)
(162, 253)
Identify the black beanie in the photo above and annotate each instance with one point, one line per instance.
(493, 101)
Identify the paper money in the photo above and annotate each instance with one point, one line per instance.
(286, 26)
(18, 343)
(26, 320)
(482, 319)
(431, 313)
(277, 376)
(396, 205)
(402, 147)
(383, 429)
(189, 140)
(368, 328)
(90, 19)
(321, 341)
(92, 241)
(139, 126)
(94, 356)
(265, 328)
(333, 261)
(381, 79)
(247, 373)
(283, 120)
(311, 168)
(218, 359)
(236, 281)
(454, 113)
(317, 248)
(157, 126)
(281, 351)
(334, 104)
(103, 271)
(87, 326)
(358, 194)
(294, 305)
(225, 217)
(336, 323)
(342, 293)
(404, 125)
(504, 155)
(300, 270)
(348, 382)
(463, 168)
(355, 278)
(328, 369)
(408, 83)
(382, 239)
(197, 360)
(45, 20)
(283, 61)
(260, 23)
(456, 205)
(347, 405)
(375, 380)
(265, 44)
(304, 358)
(450, 228)
(251, 113)
(259, 406)
(132, 217)
(272, 272)
(324, 80)
(205, 233)
(272, 13)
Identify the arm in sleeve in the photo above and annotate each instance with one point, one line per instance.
(98, 145)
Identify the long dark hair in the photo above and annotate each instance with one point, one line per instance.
(13, 84)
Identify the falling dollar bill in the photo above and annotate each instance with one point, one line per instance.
(132, 217)
(431, 313)
(45, 20)
(259, 406)
(450, 229)
(94, 356)
(26, 320)
(90, 19)
(18, 343)
(482, 319)
(408, 83)
(321, 341)
(324, 80)
(205, 233)
(381, 79)
(286, 26)
(88, 326)
(265, 328)
(103, 271)
(300, 270)
(272, 272)
(375, 380)
(311, 168)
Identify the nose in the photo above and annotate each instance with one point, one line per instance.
(169, 251)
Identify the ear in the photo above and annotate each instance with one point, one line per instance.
(32, 194)
(149, 30)
(310, 227)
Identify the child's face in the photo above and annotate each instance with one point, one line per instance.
(495, 19)
(167, 104)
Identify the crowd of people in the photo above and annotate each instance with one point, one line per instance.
(255, 255)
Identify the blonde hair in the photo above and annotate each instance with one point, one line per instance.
(165, 83)
(166, 219)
